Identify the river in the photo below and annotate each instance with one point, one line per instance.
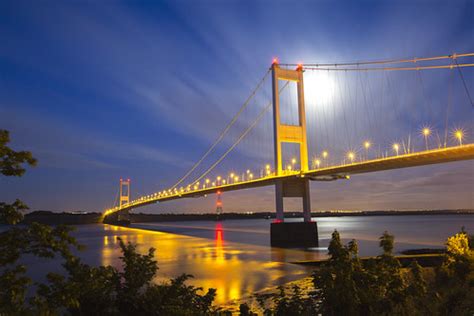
(234, 256)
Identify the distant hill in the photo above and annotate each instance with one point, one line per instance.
(77, 218)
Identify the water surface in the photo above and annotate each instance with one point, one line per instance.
(235, 256)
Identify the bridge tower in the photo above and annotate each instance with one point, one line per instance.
(124, 198)
(300, 234)
(124, 192)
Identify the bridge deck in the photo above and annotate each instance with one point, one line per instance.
(435, 156)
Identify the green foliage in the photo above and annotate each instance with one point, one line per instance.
(105, 290)
(84, 290)
(11, 161)
(11, 164)
(455, 277)
(12, 213)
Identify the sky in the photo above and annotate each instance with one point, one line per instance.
(103, 90)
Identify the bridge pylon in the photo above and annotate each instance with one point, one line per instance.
(299, 234)
(123, 216)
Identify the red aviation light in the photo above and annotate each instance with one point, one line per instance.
(275, 61)
(219, 233)
(299, 67)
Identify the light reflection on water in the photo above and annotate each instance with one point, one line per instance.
(235, 269)
(234, 256)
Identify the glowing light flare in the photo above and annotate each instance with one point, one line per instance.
(351, 156)
(325, 154)
(317, 162)
(319, 88)
(396, 147)
(367, 144)
(426, 131)
(293, 161)
(459, 134)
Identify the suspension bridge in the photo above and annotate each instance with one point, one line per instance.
(324, 122)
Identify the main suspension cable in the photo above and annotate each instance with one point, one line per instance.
(450, 66)
(224, 132)
(241, 137)
(388, 61)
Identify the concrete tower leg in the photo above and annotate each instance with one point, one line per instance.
(296, 234)
(280, 217)
(306, 201)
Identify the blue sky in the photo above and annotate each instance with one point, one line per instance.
(101, 90)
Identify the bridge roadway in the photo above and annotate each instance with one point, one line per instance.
(427, 157)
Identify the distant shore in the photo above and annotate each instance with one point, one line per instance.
(56, 218)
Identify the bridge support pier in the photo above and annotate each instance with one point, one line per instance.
(121, 218)
(293, 234)
(283, 234)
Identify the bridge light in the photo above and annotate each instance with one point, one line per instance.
(236, 178)
(325, 154)
(275, 61)
(459, 135)
(251, 176)
(317, 163)
(267, 166)
(218, 178)
(248, 171)
(223, 181)
(231, 174)
(426, 131)
(207, 181)
(396, 147)
(367, 144)
(268, 172)
(293, 161)
(288, 167)
(351, 156)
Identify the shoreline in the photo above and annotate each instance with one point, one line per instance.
(56, 218)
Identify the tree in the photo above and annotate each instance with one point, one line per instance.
(36, 239)
(455, 278)
(85, 290)
(12, 164)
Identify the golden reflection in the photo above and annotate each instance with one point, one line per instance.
(234, 269)
(220, 255)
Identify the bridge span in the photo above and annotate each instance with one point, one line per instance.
(291, 130)
(428, 157)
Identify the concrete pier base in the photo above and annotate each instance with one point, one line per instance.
(298, 234)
